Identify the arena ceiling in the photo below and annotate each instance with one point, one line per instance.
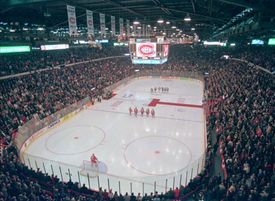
(207, 15)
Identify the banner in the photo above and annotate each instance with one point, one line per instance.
(102, 24)
(90, 22)
(54, 47)
(143, 30)
(128, 27)
(120, 26)
(72, 20)
(146, 49)
(113, 25)
(165, 50)
(135, 30)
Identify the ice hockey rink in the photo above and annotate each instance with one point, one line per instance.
(136, 153)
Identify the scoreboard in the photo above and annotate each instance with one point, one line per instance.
(149, 50)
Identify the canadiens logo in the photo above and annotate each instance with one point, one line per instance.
(90, 22)
(147, 49)
(72, 20)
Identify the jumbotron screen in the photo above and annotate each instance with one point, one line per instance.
(146, 52)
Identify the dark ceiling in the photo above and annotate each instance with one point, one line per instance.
(206, 15)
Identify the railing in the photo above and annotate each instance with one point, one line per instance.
(250, 64)
(161, 183)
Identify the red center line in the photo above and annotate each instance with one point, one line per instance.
(155, 102)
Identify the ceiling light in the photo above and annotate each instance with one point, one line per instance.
(193, 29)
(136, 22)
(173, 27)
(167, 22)
(187, 18)
(160, 21)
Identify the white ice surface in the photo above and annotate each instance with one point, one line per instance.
(142, 149)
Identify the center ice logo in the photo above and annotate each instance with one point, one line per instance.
(146, 50)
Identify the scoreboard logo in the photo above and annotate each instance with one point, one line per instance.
(147, 50)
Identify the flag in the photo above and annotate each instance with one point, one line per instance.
(102, 24)
(72, 20)
(113, 25)
(90, 22)
(128, 27)
(120, 26)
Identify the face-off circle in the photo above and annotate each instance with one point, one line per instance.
(75, 140)
(157, 155)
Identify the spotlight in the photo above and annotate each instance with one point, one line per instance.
(136, 22)
(160, 21)
(187, 18)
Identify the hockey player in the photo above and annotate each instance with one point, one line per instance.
(94, 160)
(130, 111)
(142, 111)
(153, 113)
(147, 112)
(136, 111)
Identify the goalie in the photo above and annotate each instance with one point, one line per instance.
(94, 160)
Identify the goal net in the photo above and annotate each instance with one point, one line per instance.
(92, 169)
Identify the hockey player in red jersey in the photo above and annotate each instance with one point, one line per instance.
(142, 111)
(147, 112)
(136, 111)
(94, 160)
(130, 110)
(153, 113)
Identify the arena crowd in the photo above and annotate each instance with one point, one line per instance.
(35, 60)
(242, 118)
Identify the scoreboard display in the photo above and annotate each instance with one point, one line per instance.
(148, 50)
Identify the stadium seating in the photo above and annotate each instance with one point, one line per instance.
(243, 121)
